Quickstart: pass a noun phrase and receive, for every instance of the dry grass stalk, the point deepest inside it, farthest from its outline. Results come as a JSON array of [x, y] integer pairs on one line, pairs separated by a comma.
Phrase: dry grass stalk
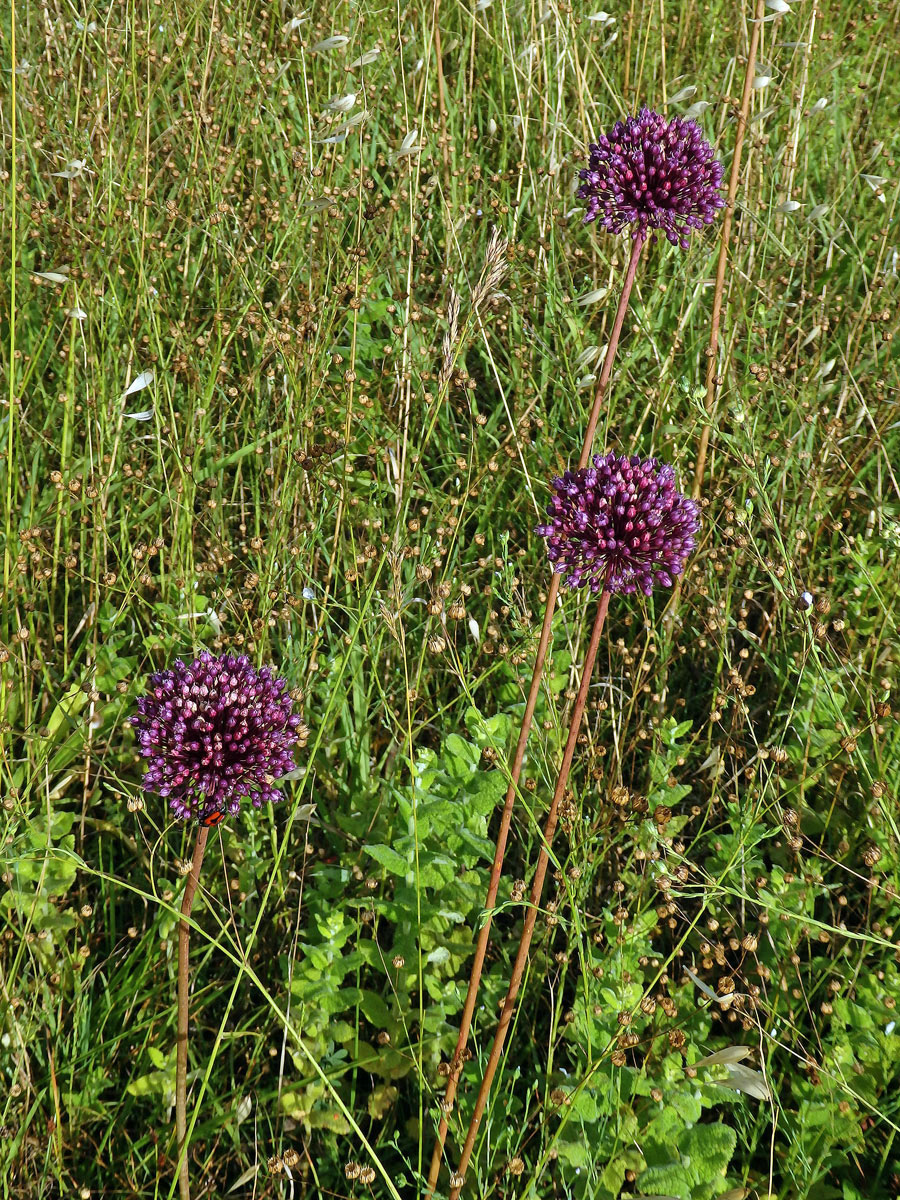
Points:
[[493, 270], [451, 336]]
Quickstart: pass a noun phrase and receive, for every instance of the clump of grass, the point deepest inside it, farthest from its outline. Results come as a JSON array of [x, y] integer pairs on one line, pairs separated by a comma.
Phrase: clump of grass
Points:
[[290, 296]]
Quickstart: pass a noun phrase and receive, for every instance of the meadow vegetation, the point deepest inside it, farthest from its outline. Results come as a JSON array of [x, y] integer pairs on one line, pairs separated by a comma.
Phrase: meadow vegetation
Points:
[[301, 318]]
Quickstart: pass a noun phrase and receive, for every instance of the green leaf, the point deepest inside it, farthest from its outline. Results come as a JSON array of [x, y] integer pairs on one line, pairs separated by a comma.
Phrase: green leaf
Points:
[[686, 1104], [672, 732], [706, 1150], [460, 757], [157, 1057], [436, 870], [613, 1175], [574, 1153], [670, 1179], [483, 847], [374, 1009], [389, 859], [381, 1100], [487, 731], [584, 1105], [487, 791], [663, 1131]]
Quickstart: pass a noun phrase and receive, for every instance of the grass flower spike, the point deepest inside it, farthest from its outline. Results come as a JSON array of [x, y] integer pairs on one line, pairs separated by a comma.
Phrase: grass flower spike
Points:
[[651, 172], [620, 525], [215, 732]]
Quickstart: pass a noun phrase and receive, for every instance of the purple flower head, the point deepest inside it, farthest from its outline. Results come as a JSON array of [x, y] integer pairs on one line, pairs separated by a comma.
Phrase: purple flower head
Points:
[[619, 525], [653, 173], [214, 732]]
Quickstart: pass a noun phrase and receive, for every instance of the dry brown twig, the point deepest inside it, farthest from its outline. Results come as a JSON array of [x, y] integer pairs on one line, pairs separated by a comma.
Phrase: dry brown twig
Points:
[[712, 349]]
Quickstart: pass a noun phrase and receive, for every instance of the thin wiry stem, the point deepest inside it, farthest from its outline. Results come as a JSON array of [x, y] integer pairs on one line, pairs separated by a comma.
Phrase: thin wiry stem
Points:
[[484, 935], [534, 900], [442, 90], [606, 369], [712, 350], [11, 426], [181, 1042]]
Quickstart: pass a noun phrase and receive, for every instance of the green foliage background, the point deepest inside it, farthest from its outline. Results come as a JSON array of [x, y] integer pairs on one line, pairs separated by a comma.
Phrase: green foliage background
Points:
[[299, 489]]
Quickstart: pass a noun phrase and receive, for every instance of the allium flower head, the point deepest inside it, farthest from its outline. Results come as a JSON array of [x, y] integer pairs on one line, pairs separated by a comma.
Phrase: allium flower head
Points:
[[653, 173], [214, 732], [619, 525]]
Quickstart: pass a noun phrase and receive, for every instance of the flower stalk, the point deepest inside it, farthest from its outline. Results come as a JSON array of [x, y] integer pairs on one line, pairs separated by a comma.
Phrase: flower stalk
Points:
[[214, 732], [181, 1042], [618, 525], [515, 770], [534, 900], [648, 173]]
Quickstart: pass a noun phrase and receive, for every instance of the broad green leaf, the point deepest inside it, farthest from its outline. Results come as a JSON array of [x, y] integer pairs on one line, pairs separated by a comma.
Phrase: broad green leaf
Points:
[[389, 859], [670, 1179], [706, 1150]]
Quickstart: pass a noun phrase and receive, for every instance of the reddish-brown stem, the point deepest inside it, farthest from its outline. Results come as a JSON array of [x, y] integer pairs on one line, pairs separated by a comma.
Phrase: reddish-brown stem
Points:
[[534, 899], [712, 349], [181, 1042], [615, 333], [484, 934]]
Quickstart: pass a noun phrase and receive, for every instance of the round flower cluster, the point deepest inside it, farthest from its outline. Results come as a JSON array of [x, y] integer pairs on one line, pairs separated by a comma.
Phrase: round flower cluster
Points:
[[214, 732], [619, 525], [653, 173]]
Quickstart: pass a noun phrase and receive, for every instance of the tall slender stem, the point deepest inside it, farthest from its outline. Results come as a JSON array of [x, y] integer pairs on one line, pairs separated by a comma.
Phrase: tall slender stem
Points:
[[181, 1041], [11, 426], [442, 91], [712, 349], [534, 900], [606, 370], [484, 935]]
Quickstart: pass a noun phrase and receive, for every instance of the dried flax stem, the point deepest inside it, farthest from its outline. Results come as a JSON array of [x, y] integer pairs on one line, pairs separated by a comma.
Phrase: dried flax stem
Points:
[[712, 350], [181, 1040], [534, 899], [442, 90], [484, 935]]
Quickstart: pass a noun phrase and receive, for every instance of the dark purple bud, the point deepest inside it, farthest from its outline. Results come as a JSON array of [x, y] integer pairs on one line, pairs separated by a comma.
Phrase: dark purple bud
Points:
[[619, 525], [215, 732], [651, 172]]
